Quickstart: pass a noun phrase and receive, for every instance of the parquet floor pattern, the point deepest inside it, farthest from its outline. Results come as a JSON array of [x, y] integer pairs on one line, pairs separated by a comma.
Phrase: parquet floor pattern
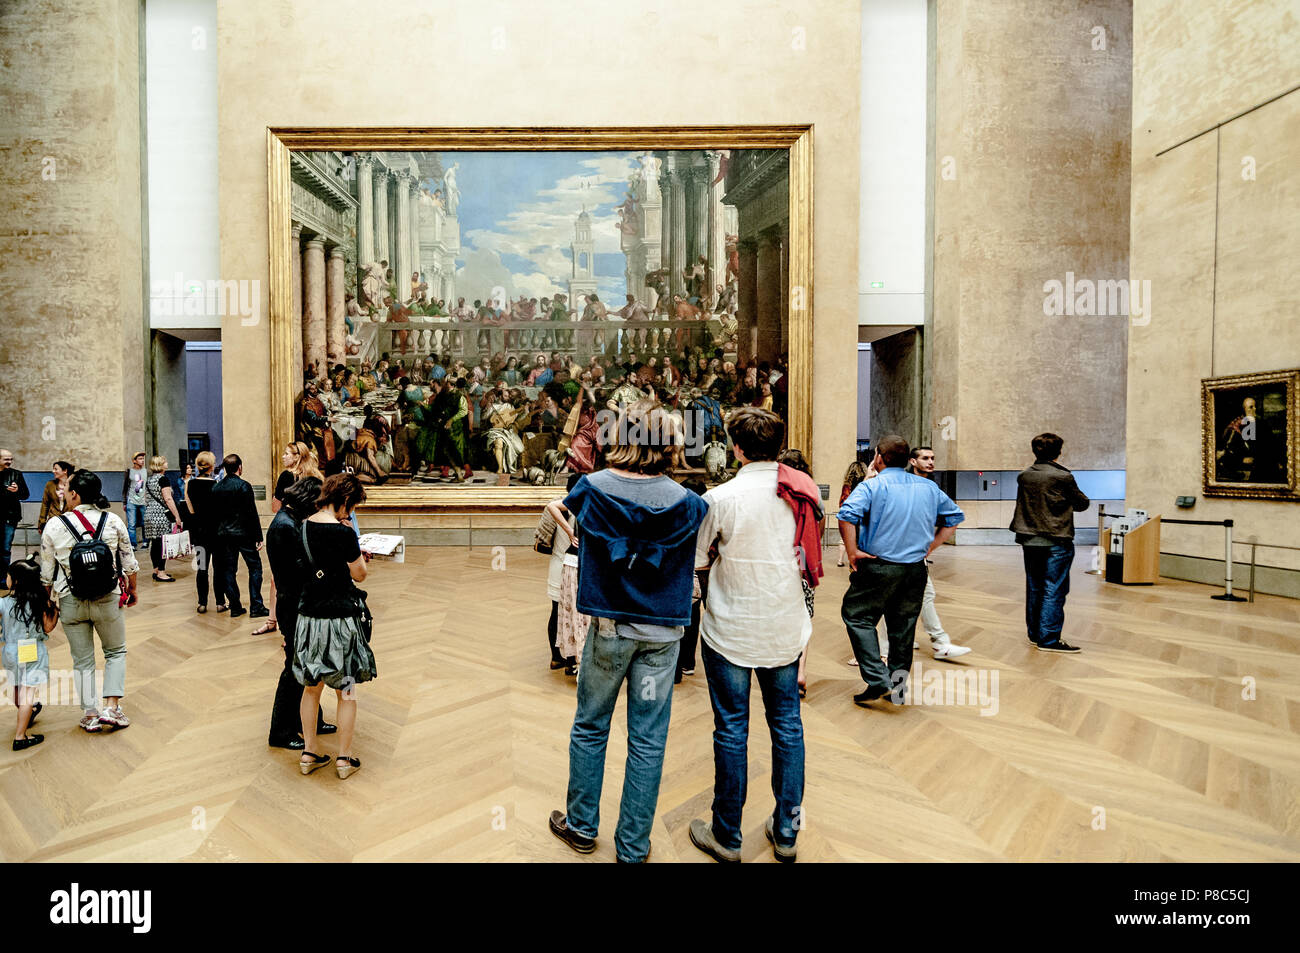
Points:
[[1142, 748]]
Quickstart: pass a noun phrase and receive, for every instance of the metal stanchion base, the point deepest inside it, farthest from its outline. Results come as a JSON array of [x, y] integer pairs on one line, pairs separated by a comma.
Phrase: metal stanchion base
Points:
[[1225, 597]]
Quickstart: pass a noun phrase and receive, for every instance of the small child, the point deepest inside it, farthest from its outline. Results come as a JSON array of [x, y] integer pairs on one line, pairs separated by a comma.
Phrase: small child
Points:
[[27, 615]]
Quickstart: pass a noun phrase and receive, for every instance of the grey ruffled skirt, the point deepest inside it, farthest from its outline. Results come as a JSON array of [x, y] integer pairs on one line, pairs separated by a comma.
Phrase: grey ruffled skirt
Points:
[[333, 651]]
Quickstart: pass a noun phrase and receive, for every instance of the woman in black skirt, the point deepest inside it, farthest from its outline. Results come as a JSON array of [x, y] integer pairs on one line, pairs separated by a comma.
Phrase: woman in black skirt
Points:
[[331, 644]]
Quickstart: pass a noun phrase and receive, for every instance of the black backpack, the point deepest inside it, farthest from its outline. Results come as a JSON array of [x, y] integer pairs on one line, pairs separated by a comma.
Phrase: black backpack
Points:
[[92, 569]]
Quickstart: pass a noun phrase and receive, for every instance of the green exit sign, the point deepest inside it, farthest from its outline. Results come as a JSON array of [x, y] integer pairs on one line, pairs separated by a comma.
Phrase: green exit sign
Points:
[[877, 284]]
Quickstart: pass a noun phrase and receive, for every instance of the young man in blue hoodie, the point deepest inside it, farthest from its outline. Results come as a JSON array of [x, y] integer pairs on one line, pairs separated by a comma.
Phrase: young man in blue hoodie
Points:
[[635, 528]]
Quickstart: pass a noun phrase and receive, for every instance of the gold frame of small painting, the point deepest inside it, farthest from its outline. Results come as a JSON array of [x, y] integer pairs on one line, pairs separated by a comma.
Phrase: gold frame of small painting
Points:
[[796, 139], [1278, 433]]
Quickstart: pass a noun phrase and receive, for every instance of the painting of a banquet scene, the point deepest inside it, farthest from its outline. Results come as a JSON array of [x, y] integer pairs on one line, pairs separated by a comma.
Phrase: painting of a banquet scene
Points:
[[471, 318]]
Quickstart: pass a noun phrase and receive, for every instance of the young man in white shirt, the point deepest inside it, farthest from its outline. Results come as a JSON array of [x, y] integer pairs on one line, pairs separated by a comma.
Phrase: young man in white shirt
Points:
[[753, 621]]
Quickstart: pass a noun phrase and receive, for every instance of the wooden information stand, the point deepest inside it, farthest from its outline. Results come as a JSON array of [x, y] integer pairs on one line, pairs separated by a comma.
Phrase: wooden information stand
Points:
[[1139, 564]]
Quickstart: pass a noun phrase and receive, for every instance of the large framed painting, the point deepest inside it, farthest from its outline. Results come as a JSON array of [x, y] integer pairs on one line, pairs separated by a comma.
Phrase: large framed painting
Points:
[[1249, 428], [455, 313]]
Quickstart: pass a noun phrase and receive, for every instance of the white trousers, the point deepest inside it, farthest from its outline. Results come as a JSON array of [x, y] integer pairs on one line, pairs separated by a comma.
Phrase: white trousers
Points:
[[930, 618]]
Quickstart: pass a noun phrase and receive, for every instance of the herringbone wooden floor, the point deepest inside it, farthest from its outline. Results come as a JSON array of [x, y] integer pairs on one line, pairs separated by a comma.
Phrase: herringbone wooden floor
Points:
[[1142, 748]]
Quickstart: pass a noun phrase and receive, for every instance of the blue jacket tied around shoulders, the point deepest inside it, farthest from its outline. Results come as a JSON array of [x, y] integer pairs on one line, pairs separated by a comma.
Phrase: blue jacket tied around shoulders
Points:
[[635, 562]]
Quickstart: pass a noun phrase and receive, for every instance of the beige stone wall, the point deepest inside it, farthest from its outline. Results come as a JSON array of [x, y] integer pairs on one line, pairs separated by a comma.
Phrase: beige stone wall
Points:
[[72, 339], [1031, 153], [1219, 249], [583, 63]]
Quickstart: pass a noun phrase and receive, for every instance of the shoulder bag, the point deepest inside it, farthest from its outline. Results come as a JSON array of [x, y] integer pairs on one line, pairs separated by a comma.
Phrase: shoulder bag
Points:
[[357, 597]]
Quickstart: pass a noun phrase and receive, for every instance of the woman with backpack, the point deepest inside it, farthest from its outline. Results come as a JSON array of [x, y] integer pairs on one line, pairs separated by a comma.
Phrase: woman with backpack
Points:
[[85, 554]]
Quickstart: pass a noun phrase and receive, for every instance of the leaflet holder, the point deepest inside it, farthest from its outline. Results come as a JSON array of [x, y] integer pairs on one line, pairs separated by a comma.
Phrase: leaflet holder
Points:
[[1135, 560]]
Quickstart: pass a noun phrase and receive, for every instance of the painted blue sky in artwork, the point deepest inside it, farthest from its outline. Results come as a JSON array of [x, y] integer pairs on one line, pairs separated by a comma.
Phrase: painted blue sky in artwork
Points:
[[517, 214]]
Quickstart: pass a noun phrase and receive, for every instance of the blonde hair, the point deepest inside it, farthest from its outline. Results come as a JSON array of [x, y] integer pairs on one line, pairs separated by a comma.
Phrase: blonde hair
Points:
[[157, 464], [646, 439], [205, 462], [307, 464]]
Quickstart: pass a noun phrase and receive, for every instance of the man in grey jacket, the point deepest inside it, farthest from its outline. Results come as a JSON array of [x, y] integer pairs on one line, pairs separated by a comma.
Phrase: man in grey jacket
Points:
[[1046, 500]]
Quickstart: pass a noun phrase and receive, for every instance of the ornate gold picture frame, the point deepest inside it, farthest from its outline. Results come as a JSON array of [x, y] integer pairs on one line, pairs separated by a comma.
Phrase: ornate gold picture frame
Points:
[[1249, 432], [286, 336]]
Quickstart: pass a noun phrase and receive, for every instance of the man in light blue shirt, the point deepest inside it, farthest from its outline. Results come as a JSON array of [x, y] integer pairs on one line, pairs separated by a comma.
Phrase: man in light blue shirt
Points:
[[888, 528]]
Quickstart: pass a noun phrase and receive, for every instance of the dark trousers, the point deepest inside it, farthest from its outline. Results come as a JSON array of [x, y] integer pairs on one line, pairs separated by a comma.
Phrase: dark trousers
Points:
[[552, 631], [690, 639], [894, 590], [286, 723], [1047, 583], [155, 554], [230, 551], [206, 568]]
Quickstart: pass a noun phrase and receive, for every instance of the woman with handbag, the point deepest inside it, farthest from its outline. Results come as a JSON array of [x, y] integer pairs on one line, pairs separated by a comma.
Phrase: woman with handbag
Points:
[[198, 501], [332, 635], [160, 516]]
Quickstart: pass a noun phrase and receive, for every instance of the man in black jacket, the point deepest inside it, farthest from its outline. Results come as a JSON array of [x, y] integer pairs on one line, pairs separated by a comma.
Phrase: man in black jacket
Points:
[[1046, 500], [237, 531], [288, 567], [13, 490]]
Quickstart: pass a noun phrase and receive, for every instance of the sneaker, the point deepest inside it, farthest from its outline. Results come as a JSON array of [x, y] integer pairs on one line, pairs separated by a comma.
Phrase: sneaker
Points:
[[90, 721], [950, 651], [114, 717], [784, 855], [1060, 645], [688, 671], [579, 842], [702, 837], [259, 613]]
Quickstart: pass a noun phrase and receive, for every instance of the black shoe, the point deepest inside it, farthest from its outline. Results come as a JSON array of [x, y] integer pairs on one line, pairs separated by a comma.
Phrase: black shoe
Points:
[[327, 729], [560, 828], [870, 695], [259, 613], [236, 612], [558, 663], [293, 744], [36, 710], [1060, 645], [21, 744], [1032, 640]]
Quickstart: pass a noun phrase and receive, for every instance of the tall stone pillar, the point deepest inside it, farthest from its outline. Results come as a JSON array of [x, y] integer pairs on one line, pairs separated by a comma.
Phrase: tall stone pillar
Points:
[[313, 304], [747, 307], [365, 210], [401, 260], [381, 216], [768, 291], [413, 201], [678, 253], [335, 306], [295, 316]]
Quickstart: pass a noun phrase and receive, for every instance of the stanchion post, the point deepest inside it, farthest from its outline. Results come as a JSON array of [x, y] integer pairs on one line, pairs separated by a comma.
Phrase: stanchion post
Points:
[[1227, 563], [1101, 557], [1252, 570]]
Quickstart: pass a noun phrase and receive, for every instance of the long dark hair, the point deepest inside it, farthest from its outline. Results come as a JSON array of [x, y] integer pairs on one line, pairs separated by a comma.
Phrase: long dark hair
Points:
[[31, 601], [86, 485]]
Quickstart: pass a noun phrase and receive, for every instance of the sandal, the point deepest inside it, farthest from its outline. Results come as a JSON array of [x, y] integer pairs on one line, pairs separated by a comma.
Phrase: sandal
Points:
[[158, 578], [266, 628], [222, 607], [202, 609], [317, 761], [349, 767]]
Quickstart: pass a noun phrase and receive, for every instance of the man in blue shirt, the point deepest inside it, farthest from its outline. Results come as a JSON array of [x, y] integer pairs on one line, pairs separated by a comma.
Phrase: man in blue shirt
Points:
[[888, 528]]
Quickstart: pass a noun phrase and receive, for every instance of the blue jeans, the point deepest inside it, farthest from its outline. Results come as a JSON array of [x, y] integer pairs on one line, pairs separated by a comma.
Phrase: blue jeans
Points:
[[7, 553], [1047, 582], [134, 518], [648, 669], [729, 693]]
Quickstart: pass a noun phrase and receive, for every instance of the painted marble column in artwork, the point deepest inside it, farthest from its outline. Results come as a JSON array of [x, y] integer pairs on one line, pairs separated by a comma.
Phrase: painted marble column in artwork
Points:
[[747, 309], [677, 284], [401, 260], [313, 304], [295, 281], [365, 210], [413, 203], [768, 316], [335, 307], [381, 215]]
